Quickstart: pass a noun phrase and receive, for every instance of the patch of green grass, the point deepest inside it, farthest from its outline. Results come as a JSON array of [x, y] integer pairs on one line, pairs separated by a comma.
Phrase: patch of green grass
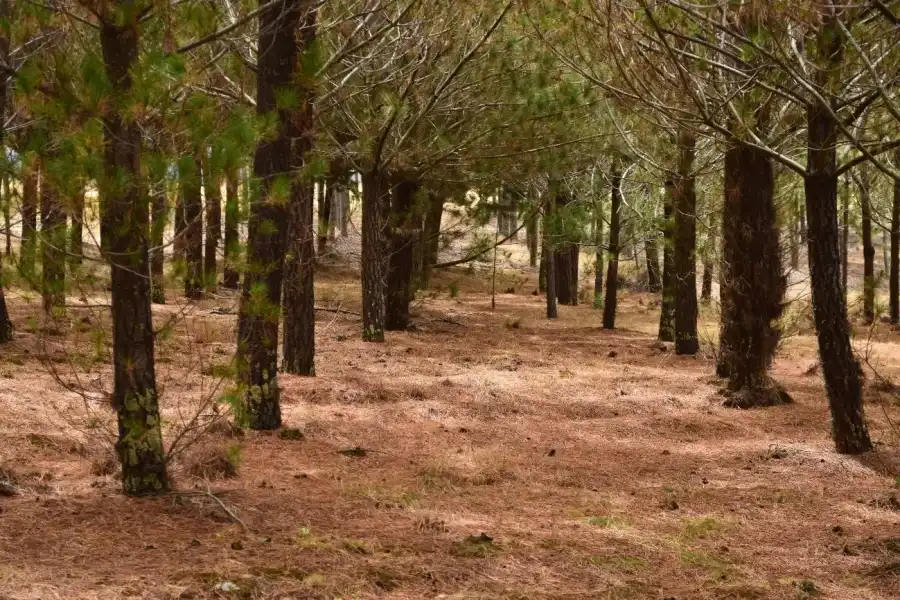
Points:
[[608, 522], [714, 567], [702, 528], [623, 562], [392, 498], [475, 546], [356, 546], [315, 580], [306, 539]]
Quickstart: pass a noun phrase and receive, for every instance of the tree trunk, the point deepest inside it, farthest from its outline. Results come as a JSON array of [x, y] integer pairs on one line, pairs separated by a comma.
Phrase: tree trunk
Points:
[[794, 233], [231, 277], [299, 293], [845, 241], [139, 446], [709, 261], [431, 235], [651, 249], [547, 258], [324, 220], [159, 209], [685, 248], [53, 248], [566, 258], [542, 268], [7, 216], [189, 174], [375, 197], [213, 192], [667, 308], [272, 164], [6, 328], [839, 365], [345, 211], [532, 238], [612, 275], [598, 255], [76, 231], [178, 227], [753, 292], [895, 252], [402, 241], [28, 250], [865, 202]]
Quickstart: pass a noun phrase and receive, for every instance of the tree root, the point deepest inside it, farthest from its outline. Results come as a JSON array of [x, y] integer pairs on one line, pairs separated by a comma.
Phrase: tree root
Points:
[[749, 397]]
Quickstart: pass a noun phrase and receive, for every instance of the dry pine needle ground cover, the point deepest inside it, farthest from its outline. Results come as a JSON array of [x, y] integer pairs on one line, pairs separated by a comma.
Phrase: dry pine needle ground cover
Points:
[[483, 455]]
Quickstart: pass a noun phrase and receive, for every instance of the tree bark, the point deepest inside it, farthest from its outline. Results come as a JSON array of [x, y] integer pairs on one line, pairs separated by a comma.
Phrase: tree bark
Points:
[[709, 261], [402, 240], [28, 250], [272, 164], [324, 220], [53, 248], [612, 275], [895, 252], [598, 254], [865, 202], [231, 277], [565, 257], [845, 241], [178, 227], [7, 208], [189, 174], [375, 197], [685, 247], [139, 446], [651, 249], [667, 308], [298, 346], [6, 328], [795, 236], [547, 258], [212, 185], [753, 292], [839, 365], [532, 238], [159, 209], [76, 231]]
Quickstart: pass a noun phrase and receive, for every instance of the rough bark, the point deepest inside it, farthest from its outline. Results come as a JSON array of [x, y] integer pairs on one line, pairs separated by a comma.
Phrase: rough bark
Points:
[[547, 255], [709, 261], [261, 291], [753, 292], [190, 179], [324, 218], [795, 237], [139, 445], [298, 347], [651, 249], [6, 329], [565, 256], [53, 248], [375, 197], [685, 248], [231, 277], [402, 240], [865, 203], [839, 366], [7, 216], [667, 306], [159, 209], [598, 255], [431, 235], [212, 186], [895, 252], [28, 250], [532, 238], [845, 240], [612, 274]]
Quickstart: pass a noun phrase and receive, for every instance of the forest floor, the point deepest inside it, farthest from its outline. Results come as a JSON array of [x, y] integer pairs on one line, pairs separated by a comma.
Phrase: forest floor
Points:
[[486, 454]]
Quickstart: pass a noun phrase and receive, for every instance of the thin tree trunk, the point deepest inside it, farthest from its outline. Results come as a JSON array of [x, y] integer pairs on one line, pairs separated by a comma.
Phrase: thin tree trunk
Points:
[[885, 256], [566, 259], [612, 275], [845, 241], [7, 217], [547, 258], [262, 286], [794, 233], [76, 231], [402, 240], [753, 292], [231, 277], [651, 249], [895, 252], [213, 192], [598, 254], [298, 346], [709, 261], [375, 196], [431, 235], [532, 237], [839, 365], [865, 202], [159, 209], [542, 267], [28, 251], [189, 174], [345, 211], [685, 248], [178, 227], [139, 446], [6, 328], [324, 220], [667, 308], [53, 248]]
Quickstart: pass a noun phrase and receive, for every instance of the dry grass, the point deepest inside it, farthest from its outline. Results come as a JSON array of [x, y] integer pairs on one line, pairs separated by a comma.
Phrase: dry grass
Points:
[[500, 463]]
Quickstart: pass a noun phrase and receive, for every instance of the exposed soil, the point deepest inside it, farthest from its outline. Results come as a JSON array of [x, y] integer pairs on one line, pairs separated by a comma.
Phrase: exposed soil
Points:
[[483, 455]]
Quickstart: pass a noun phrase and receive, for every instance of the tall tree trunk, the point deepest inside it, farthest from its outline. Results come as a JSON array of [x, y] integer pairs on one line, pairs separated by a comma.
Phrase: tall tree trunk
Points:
[[651, 249], [76, 231], [865, 202], [375, 197], [231, 277], [272, 164], [212, 183], [178, 226], [159, 208], [542, 267], [845, 241], [753, 292], [895, 252], [709, 260], [612, 275], [532, 238], [402, 240], [139, 446], [324, 221], [667, 307], [345, 211], [189, 174], [6, 329], [599, 251], [7, 208], [431, 235], [299, 293], [28, 250], [803, 230], [839, 365], [547, 258], [566, 257], [794, 233], [685, 248], [53, 247], [885, 256]]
